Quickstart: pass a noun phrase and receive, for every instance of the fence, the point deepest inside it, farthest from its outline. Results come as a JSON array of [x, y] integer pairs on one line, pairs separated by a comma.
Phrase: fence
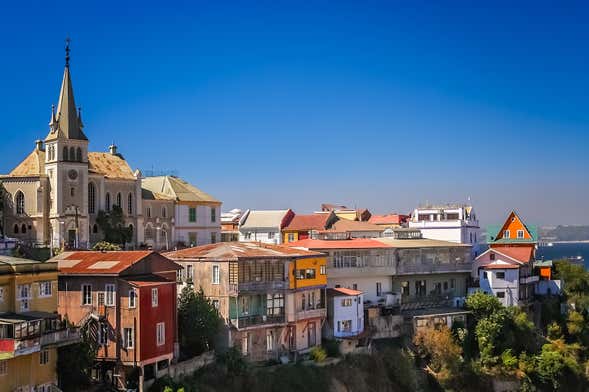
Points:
[[182, 369]]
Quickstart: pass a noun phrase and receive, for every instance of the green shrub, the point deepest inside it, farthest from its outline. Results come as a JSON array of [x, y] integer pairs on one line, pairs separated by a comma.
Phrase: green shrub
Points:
[[331, 347], [318, 354]]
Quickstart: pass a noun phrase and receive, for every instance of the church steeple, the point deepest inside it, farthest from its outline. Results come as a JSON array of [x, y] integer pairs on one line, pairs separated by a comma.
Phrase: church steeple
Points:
[[67, 123]]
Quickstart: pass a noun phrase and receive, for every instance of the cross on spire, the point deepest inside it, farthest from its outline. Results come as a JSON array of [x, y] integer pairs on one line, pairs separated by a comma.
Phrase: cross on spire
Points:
[[67, 52]]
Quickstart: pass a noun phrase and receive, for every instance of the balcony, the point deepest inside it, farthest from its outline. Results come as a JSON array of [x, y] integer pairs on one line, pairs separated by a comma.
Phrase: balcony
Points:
[[60, 338], [529, 279], [256, 320], [305, 314], [432, 268], [10, 348], [261, 286]]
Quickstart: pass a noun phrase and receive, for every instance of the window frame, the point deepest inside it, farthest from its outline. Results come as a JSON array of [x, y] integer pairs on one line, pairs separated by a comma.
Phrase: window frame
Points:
[[43, 289], [192, 215], [84, 294], [128, 341], [111, 293], [43, 357], [216, 278], [518, 236], [506, 234], [160, 332], [132, 295], [154, 298]]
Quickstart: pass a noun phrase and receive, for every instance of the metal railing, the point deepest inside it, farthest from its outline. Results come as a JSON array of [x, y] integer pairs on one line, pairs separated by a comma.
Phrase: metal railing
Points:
[[61, 337], [249, 321]]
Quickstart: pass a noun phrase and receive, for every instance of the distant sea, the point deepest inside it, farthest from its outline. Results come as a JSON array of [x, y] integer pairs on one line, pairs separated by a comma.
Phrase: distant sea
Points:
[[564, 250]]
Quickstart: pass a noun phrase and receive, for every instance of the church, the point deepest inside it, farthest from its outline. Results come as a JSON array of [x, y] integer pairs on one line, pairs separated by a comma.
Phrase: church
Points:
[[53, 197]]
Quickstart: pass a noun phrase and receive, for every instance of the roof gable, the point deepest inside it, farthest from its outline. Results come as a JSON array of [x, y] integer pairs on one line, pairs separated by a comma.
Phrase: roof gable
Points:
[[176, 188], [109, 165], [508, 232], [32, 165], [113, 263]]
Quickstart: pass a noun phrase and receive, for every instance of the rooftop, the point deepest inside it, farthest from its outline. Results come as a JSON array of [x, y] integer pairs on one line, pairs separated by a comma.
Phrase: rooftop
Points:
[[420, 243], [388, 219], [309, 222], [343, 291], [263, 218], [234, 251], [98, 263], [109, 165], [523, 254], [345, 225], [176, 188], [356, 243]]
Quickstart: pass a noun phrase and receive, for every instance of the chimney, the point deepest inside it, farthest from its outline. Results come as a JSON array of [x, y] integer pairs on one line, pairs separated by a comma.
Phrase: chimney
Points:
[[39, 145], [112, 149]]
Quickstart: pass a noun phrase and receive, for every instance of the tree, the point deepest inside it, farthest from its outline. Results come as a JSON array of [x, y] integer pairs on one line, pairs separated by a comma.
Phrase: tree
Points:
[[74, 362], [105, 246], [439, 348], [482, 305], [199, 322], [112, 225]]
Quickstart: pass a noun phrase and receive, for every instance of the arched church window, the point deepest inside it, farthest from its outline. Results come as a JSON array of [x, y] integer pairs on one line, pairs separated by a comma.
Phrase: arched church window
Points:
[[91, 198], [79, 154], [119, 201], [107, 201], [20, 202], [95, 228], [65, 154], [23, 228], [72, 154], [131, 230], [130, 204], [15, 229], [148, 233]]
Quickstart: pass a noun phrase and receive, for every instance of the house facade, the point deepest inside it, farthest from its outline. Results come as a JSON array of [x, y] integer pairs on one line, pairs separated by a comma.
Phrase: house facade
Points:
[[230, 225], [264, 225], [30, 328], [345, 313], [127, 300], [453, 222], [271, 298], [301, 226]]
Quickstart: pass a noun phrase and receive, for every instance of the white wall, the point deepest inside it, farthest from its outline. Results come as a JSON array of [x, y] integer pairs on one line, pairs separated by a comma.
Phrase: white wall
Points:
[[203, 225], [509, 286], [365, 284], [262, 236], [354, 313]]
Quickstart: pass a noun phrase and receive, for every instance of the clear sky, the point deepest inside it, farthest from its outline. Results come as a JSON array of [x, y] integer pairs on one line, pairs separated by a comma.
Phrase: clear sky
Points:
[[272, 104]]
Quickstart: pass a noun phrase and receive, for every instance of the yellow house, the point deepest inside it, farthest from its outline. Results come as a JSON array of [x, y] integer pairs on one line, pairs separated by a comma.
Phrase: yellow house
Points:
[[30, 328]]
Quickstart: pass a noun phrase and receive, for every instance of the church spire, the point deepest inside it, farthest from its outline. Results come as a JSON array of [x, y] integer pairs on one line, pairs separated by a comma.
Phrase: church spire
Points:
[[68, 123]]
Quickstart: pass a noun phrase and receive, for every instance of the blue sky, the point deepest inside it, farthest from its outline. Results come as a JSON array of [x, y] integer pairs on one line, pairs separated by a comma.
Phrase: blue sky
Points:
[[383, 105]]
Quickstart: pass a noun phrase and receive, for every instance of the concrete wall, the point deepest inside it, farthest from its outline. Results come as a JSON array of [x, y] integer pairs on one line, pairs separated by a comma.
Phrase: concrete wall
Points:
[[355, 313], [365, 284]]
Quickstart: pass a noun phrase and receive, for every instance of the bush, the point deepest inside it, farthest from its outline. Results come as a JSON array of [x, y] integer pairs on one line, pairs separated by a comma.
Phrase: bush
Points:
[[105, 246], [318, 354], [331, 347]]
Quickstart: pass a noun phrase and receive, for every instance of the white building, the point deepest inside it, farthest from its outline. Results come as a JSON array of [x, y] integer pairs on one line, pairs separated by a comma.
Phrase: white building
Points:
[[452, 222], [264, 225], [196, 213], [345, 312]]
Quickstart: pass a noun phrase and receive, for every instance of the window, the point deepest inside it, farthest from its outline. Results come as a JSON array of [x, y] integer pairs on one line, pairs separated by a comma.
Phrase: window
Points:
[[271, 235], [520, 234], [452, 283], [347, 302], [506, 234], [492, 256], [130, 204], [445, 286], [119, 200], [323, 270], [3, 367], [269, 340], [189, 273], [79, 154], [248, 235], [23, 228], [216, 304], [128, 338], [378, 289], [154, 298], [485, 276], [501, 275], [405, 288], [274, 304], [148, 212], [213, 238], [109, 293], [95, 229], [291, 237], [193, 238], [1, 295], [344, 326], [43, 357], [107, 201], [192, 214], [500, 294], [102, 336], [245, 344], [65, 154], [132, 298], [45, 289], [19, 201], [164, 212], [148, 233], [216, 277], [86, 294], [15, 229], [160, 333], [213, 214], [72, 154], [23, 291]]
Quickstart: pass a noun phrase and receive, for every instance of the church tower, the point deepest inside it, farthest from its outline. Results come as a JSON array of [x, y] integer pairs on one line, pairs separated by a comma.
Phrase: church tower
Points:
[[66, 165]]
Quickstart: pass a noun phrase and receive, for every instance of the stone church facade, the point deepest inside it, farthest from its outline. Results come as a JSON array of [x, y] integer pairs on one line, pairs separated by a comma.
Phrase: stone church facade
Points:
[[54, 195]]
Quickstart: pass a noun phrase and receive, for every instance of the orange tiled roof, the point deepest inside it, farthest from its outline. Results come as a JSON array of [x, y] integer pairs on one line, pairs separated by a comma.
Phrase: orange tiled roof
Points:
[[109, 165], [233, 251], [356, 243], [501, 266], [524, 254], [32, 165], [388, 219], [308, 222]]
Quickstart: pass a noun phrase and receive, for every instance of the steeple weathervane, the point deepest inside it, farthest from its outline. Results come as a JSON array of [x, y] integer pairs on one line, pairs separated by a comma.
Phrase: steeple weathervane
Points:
[[67, 52]]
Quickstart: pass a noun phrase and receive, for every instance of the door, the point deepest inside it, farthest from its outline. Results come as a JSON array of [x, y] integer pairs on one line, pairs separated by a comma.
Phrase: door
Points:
[[312, 334], [71, 238]]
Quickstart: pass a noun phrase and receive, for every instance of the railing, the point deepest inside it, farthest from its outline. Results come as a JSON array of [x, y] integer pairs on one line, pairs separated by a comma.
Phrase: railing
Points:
[[61, 338], [529, 279], [426, 302], [249, 321], [311, 313], [262, 286], [346, 334], [15, 347], [433, 268]]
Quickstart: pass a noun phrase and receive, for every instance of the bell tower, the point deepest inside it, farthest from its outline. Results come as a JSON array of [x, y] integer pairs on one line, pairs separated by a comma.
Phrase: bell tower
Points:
[[66, 165]]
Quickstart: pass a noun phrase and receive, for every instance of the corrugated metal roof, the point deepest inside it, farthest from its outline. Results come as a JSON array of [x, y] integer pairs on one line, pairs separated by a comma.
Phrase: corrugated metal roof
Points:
[[233, 251], [343, 291], [308, 222], [95, 262], [264, 219]]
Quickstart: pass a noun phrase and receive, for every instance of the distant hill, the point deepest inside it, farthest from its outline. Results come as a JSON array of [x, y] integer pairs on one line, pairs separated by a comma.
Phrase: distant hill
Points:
[[565, 233]]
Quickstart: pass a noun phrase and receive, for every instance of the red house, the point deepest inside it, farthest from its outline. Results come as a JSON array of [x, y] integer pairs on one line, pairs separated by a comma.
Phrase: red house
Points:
[[127, 300]]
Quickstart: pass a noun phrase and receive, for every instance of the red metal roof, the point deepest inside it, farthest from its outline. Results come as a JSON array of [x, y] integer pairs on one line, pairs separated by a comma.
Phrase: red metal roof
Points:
[[346, 291], [232, 251], [501, 266], [148, 280], [525, 254], [388, 219], [356, 243], [308, 222], [98, 263]]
